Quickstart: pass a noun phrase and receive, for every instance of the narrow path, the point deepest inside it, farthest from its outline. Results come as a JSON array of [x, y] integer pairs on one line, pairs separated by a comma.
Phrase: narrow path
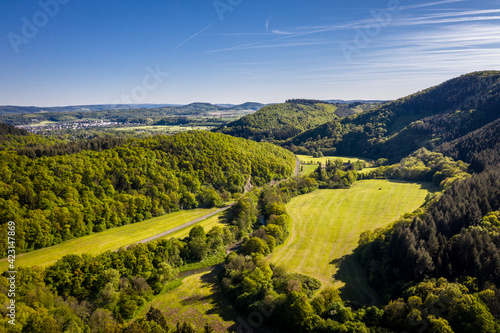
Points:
[[185, 225], [297, 167]]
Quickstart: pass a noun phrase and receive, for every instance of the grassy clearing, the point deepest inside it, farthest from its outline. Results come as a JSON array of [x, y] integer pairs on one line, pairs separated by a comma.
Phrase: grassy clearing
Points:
[[312, 162], [160, 128], [44, 123], [216, 220], [345, 159], [198, 300], [327, 223], [308, 169], [115, 238]]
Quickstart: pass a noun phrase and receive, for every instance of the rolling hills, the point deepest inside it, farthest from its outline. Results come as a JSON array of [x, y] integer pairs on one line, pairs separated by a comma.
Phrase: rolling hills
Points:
[[287, 247], [425, 119], [57, 198], [11, 109], [281, 121], [392, 130]]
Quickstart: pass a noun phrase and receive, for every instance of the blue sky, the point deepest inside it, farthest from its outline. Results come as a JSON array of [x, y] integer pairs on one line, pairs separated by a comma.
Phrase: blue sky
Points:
[[233, 51]]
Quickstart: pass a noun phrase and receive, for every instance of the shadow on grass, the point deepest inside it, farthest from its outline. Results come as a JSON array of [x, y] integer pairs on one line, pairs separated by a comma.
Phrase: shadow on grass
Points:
[[356, 288], [429, 186], [220, 305]]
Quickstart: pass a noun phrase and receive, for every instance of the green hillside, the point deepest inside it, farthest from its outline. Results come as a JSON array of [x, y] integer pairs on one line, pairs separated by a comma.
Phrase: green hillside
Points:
[[282, 121], [425, 119], [56, 198]]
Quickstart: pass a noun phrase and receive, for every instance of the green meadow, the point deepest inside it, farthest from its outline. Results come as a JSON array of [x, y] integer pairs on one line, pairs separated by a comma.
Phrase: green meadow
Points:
[[327, 223], [309, 163], [163, 128], [198, 300], [315, 160], [115, 238]]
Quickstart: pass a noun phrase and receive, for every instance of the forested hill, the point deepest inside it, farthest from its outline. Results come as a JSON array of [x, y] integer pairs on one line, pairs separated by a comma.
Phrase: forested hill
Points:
[[55, 198], [425, 119], [282, 121], [11, 130], [479, 148]]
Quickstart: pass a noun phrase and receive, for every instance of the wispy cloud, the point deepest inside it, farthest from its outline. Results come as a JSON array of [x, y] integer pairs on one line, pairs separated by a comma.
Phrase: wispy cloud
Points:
[[268, 21], [430, 4], [277, 45], [445, 50], [282, 32], [196, 34], [440, 18], [448, 17]]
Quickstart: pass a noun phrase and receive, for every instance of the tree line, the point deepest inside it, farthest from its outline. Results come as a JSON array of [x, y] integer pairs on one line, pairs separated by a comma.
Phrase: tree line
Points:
[[424, 165]]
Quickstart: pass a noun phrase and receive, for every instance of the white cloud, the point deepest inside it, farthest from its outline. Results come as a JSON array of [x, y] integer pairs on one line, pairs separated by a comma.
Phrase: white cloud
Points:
[[281, 32]]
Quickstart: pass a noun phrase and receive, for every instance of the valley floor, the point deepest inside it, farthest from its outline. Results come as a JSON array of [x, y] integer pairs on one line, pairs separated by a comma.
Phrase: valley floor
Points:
[[112, 239], [327, 225]]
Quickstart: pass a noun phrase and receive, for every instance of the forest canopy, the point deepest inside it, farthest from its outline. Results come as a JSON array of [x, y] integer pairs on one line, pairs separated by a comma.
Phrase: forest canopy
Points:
[[55, 198]]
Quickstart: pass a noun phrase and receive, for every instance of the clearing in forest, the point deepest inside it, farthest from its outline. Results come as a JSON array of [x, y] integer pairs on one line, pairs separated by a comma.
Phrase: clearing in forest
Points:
[[327, 223]]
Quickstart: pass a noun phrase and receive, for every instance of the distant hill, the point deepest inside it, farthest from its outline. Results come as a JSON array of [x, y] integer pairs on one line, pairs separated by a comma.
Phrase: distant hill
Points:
[[425, 119], [207, 107], [248, 106], [10, 109], [282, 121], [286, 120], [361, 101], [150, 115]]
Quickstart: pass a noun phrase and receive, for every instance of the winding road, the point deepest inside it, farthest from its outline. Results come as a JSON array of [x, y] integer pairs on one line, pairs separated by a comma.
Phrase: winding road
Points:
[[185, 225]]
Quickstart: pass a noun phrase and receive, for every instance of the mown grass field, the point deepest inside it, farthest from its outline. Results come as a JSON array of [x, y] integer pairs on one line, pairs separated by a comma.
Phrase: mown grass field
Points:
[[198, 300], [216, 220], [44, 123], [115, 238], [313, 162], [327, 223], [307, 169]]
